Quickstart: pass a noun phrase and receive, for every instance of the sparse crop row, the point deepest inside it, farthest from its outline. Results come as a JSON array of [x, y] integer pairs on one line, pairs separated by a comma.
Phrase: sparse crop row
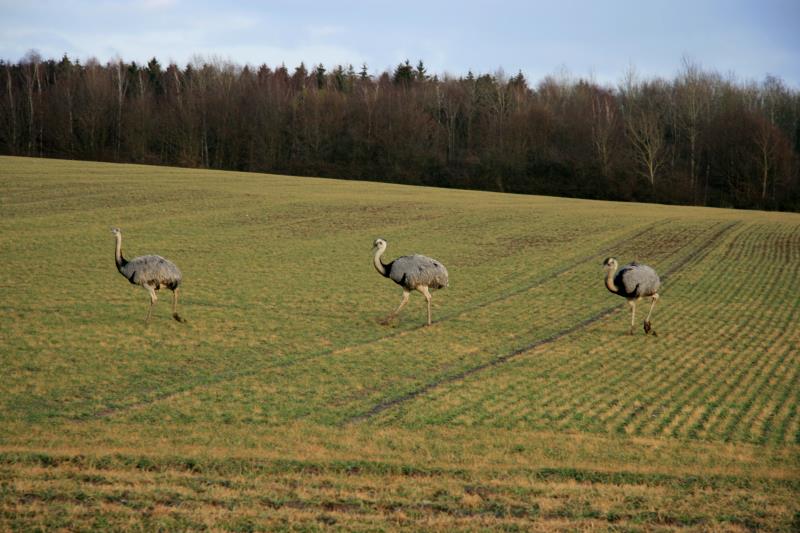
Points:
[[724, 367], [363, 373], [559, 289], [739, 364], [241, 419]]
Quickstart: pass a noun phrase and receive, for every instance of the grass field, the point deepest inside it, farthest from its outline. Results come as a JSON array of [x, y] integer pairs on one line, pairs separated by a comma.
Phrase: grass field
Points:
[[282, 404]]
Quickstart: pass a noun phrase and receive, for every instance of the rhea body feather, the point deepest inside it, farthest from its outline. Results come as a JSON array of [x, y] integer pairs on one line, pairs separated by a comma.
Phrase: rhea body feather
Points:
[[152, 270], [412, 271], [636, 281]]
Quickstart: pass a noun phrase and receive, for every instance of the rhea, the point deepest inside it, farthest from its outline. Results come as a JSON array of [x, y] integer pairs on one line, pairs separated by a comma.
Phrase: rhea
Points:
[[634, 282], [151, 272], [413, 273]]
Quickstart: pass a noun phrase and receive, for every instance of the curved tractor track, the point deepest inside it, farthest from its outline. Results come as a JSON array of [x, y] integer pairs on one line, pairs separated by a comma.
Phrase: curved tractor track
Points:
[[237, 374], [694, 256]]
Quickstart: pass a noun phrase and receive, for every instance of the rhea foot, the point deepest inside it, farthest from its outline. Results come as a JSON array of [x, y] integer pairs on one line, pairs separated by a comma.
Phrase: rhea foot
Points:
[[179, 318], [648, 328]]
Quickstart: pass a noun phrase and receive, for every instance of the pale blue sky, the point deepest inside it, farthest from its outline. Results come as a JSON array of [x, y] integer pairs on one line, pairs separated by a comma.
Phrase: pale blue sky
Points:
[[586, 38]]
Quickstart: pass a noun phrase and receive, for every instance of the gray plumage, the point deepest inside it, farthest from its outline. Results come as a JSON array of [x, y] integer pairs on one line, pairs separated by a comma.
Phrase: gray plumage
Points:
[[151, 272], [413, 273], [633, 282]]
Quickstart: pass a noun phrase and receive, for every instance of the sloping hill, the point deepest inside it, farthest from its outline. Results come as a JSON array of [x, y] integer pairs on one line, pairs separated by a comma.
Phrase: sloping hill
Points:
[[284, 404]]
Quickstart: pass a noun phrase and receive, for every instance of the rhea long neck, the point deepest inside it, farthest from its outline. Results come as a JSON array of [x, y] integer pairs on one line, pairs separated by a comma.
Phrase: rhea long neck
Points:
[[118, 259], [376, 260], [610, 280]]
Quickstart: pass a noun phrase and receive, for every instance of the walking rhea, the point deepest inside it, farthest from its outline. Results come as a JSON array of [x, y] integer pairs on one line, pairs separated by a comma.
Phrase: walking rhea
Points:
[[152, 272], [412, 272], [634, 282]]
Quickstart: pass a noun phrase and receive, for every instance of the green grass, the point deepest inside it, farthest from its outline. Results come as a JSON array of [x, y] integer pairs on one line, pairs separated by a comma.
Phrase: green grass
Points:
[[284, 405]]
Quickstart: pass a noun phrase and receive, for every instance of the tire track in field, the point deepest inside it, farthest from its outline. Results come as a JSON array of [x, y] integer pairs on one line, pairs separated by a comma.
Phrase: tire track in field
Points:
[[233, 375], [570, 403], [581, 403], [543, 278], [627, 415], [661, 397], [694, 256], [566, 398]]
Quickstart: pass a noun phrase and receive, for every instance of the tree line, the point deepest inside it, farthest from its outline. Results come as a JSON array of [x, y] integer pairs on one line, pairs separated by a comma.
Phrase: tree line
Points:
[[700, 138]]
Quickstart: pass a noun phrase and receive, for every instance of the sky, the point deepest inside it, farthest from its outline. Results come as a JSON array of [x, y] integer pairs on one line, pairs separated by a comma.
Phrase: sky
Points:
[[599, 39]]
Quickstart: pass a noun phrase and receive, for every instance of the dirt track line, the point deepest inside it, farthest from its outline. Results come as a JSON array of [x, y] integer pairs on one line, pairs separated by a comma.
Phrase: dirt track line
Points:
[[696, 255], [554, 274], [230, 376]]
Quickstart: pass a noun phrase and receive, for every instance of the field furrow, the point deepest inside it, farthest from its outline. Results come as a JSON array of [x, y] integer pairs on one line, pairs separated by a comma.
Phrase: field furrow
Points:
[[542, 342], [680, 393], [471, 306], [282, 404]]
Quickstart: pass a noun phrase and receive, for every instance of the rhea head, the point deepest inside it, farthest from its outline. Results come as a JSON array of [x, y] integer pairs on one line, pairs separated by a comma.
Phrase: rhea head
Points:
[[116, 232], [379, 244], [610, 263]]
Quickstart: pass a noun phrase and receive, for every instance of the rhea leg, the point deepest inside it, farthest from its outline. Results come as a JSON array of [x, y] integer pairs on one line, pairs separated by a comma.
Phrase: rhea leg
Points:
[[175, 314], [632, 303], [406, 294], [153, 300], [426, 293], [647, 327]]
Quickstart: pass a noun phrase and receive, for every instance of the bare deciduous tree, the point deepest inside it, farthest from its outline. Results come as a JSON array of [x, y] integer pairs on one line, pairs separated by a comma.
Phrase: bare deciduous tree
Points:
[[30, 71], [11, 114], [122, 86], [644, 124], [605, 121]]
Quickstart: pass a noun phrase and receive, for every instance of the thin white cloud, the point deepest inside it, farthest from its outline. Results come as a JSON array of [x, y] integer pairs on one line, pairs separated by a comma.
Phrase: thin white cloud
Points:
[[324, 31], [157, 4]]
